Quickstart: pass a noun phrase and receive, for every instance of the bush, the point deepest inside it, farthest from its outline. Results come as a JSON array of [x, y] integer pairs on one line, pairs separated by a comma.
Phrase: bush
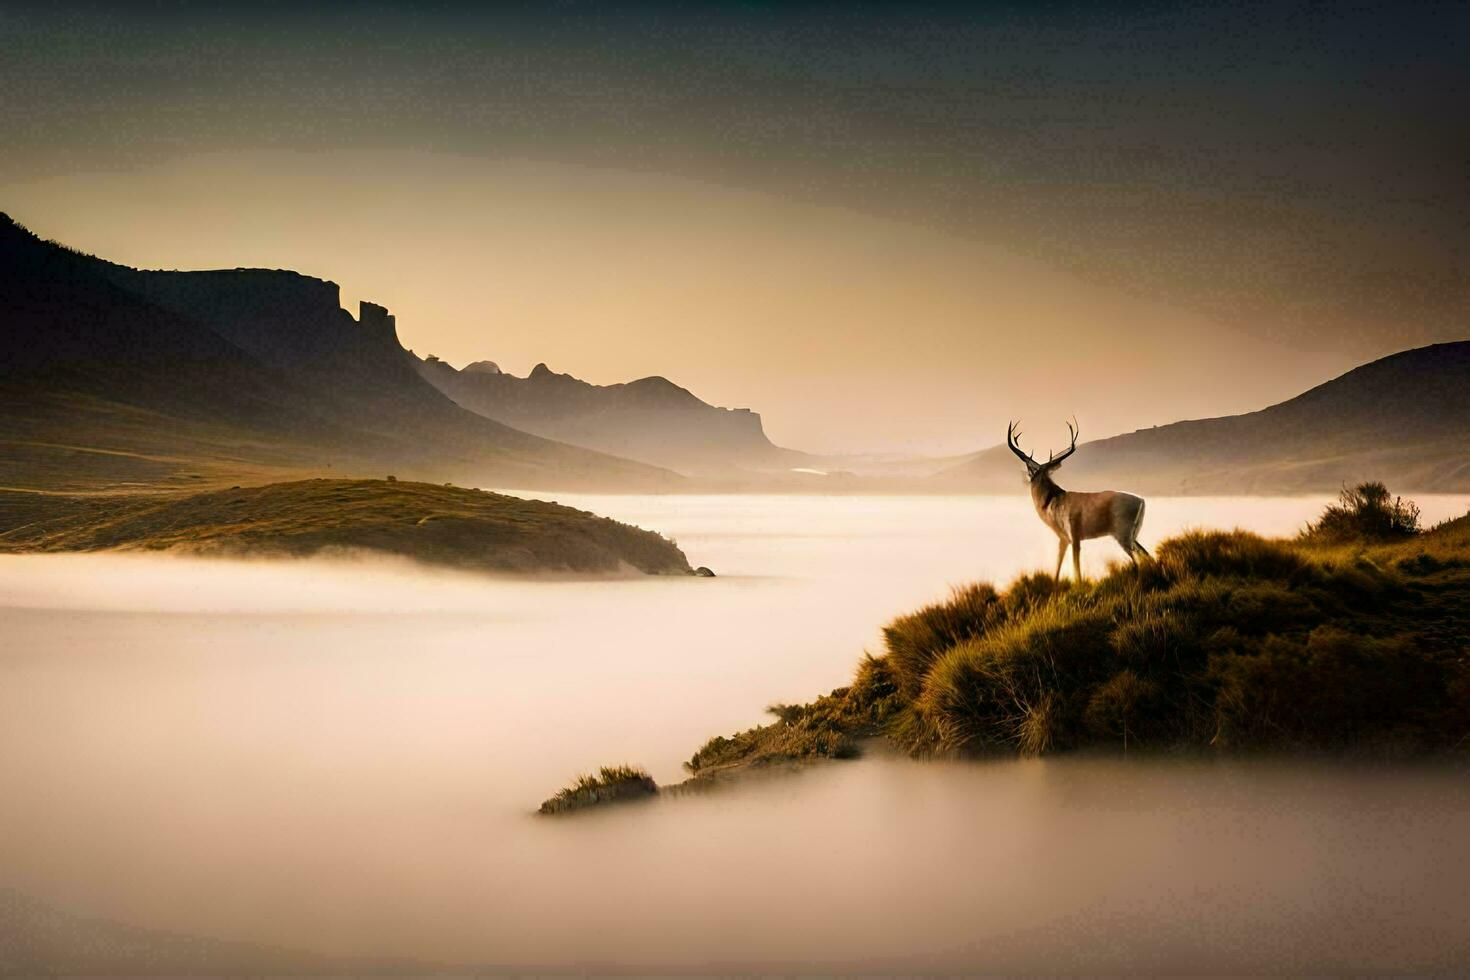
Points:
[[916, 640], [1228, 553], [1012, 687], [1365, 512]]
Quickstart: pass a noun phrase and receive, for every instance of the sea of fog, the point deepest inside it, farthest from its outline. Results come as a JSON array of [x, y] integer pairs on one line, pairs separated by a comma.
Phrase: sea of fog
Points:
[[342, 759]]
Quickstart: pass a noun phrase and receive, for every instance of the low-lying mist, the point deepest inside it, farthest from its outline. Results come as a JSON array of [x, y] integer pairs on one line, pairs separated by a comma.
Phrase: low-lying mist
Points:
[[342, 757]]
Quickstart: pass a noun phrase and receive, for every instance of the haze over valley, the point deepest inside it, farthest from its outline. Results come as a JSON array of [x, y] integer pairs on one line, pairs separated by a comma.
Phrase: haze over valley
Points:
[[120, 376]]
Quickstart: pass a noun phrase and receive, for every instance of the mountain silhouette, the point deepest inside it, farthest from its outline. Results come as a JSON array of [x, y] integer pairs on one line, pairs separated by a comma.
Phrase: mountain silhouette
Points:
[[121, 375], [651, 419], [1404, 418]]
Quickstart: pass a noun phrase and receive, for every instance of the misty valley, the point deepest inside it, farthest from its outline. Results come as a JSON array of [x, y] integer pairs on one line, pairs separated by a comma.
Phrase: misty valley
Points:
[[334, 763]]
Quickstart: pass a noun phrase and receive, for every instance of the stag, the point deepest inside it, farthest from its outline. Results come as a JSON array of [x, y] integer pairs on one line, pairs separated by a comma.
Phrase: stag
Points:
[[1074, 516]]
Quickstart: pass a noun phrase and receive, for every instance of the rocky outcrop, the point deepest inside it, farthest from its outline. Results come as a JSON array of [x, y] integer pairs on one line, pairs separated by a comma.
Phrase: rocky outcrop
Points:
[[377, 322]]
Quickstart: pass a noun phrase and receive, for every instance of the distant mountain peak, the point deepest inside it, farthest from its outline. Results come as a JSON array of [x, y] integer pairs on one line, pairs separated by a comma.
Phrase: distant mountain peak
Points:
[[650, 419], [656, 381], [1400, 418]]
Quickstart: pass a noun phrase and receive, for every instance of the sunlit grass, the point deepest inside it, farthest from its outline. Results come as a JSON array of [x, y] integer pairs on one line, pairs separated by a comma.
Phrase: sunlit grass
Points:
[[441, 525], [610, 784], [1227, 641]]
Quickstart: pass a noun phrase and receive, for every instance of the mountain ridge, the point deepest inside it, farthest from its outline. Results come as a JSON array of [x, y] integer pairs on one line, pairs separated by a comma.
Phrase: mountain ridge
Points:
[[246, 367], [651, 419], [1401, 418]]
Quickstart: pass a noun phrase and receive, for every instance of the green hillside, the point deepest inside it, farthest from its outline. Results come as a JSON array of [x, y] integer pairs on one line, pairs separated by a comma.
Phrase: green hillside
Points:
[[439, 525]]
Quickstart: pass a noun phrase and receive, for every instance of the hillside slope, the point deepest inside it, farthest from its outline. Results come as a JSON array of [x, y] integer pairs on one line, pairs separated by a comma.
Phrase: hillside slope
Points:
[[1402, 419], [111, 375], [651, 419], [449, 526]]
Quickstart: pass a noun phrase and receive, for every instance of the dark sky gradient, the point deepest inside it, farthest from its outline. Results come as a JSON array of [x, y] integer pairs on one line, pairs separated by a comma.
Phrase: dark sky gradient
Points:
[[1306, 163], [1297, 171]]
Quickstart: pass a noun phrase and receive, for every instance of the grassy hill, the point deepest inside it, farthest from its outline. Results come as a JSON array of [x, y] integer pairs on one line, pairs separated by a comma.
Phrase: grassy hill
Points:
[[1402, 417], [1354, 637], [440, 525]]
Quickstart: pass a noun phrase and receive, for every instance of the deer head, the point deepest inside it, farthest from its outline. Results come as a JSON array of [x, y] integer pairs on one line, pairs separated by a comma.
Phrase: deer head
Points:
[[1035, 470]]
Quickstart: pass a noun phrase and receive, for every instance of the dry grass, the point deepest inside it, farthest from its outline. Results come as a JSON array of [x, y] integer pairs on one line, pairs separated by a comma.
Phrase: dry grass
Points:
[[828, 727], [611, 784]]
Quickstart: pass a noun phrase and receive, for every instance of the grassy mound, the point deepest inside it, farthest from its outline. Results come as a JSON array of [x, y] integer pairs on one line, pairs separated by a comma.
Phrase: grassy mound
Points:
[[441, 525], [1229, 641], [612, 784]]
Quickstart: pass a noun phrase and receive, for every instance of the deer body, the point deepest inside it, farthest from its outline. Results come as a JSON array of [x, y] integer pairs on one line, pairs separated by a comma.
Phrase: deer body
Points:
[[1075, 516]]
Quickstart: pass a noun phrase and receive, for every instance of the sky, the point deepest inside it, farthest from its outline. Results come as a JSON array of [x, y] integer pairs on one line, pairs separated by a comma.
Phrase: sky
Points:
[[884, 227]]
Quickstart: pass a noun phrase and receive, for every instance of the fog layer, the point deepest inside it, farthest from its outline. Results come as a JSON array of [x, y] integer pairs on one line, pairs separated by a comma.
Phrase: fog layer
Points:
[[343, 759]]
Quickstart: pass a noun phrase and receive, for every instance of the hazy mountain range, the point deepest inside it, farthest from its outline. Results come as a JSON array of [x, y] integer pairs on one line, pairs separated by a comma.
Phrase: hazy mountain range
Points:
[[114, 377], [1404, 418], [652, 419]]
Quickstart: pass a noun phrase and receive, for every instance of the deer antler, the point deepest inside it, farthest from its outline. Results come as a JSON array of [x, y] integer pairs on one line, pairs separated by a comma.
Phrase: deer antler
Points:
[[1012, 435], [1075, 430]]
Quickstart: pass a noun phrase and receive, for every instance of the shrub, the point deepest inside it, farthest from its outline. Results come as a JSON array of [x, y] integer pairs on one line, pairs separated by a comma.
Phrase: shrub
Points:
[[1365, 513], [1228, 553], [915, 641], [1331, 689], [1011, 687], [1153, 638], [1123, 707]]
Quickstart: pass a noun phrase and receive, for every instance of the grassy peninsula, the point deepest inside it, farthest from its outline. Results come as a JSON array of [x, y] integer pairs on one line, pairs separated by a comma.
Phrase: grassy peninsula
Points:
[[1353, 637], [439, 525]]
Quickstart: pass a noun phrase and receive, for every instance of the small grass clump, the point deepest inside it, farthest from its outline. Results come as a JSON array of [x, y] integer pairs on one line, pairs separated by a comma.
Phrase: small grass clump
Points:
[[611, 784], [828, 728]]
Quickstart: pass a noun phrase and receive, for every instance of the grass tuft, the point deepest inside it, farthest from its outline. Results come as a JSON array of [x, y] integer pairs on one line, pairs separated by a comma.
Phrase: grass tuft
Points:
[[611, 784]]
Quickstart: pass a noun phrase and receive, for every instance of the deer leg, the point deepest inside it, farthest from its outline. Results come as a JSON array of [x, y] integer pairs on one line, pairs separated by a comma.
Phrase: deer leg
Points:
[[1077, 559], [1126, 542], [1061, 554]]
